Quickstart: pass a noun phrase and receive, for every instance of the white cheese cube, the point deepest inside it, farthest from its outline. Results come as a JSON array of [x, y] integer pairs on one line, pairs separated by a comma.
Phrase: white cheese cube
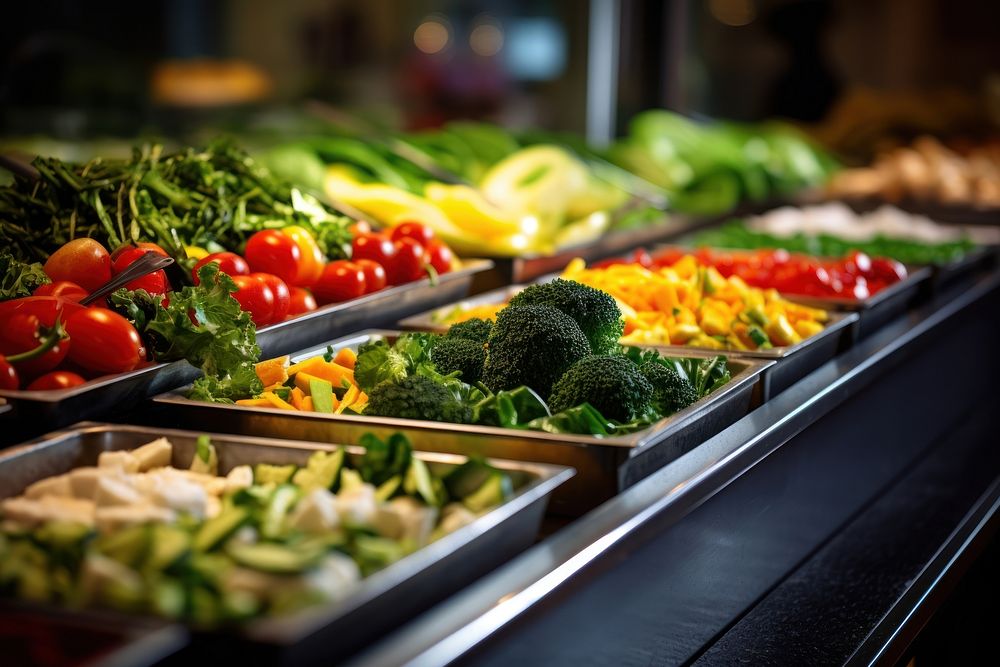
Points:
[[110, 519], [155, 454], [115, 491], [50, 486], [124, 461], [240, 477], [336, 576], [83, 482], [405, 519], [357, 505], [315, 513]]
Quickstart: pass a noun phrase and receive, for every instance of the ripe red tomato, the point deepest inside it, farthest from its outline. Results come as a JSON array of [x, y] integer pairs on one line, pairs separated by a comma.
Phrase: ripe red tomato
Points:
[[302, 301], [82, 261], [376, 247], [359, 227], [56, 380], [255, 297], [439, 256], [152, 247], [103, 341], [422, 234], [270, 251], [154, 283], [408, 264], [8, 376], [341, 280], [64, 289], [375, 278], [20, 333], [229, 263], [282, 297]]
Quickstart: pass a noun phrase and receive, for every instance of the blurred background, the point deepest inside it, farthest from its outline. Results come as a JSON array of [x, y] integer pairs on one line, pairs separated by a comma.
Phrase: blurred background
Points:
[[858, 73]]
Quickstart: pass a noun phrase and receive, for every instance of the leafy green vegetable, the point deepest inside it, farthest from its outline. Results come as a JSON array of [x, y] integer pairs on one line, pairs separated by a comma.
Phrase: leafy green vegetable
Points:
[[378, 361], [510, 409], [19, 279], [384, 459], [705, 374]]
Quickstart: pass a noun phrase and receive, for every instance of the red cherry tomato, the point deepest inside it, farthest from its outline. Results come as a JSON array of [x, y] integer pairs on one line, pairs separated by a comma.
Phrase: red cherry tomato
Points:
[[154, 283], [341, 280], [56, 380], [229, 263], [409, 263], [282, 297], [255, 297], [422, 234], [21, 333], [152, 247], [46, 308], [8, 376], [302, 301], [64, 289], [376, 247], [270, 251], [103, 341], [82, 261], [439, 256], [375, 278]]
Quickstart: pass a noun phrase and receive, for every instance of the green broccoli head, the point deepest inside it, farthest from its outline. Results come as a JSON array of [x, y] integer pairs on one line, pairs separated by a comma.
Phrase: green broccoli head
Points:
[[612, 384], [475, 329], [596, 312], [671, 392], [532, 346], [459, 354], [416, 397]]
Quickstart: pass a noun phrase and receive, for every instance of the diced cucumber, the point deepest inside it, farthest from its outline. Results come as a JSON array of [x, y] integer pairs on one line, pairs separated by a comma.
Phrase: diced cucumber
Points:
[[388, 489], [350, 479], [167, 597], [375, 553], [274, 516], [418, 480], [218, 529], [211, 568], [494, 492], [757, 336], [322, 395], [206, 459], [127, 546], [275, 558], [168, 544], [62, 534], [322, 471], [265, 473]]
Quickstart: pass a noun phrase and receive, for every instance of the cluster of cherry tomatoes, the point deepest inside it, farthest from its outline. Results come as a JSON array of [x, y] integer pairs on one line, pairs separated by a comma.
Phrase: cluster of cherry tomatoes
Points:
[[856, 276], [282, 272]]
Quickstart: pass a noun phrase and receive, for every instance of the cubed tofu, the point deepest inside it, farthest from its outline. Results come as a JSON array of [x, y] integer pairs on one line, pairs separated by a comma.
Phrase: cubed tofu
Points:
[[124, 461], [315, 513], [28, 512], [357, 505], [240, 477], [180, 494], [212, 507], [50, 486], [83, 482], [110, 519], [155, 454], [336, 576], [405, 518], [113, 491]]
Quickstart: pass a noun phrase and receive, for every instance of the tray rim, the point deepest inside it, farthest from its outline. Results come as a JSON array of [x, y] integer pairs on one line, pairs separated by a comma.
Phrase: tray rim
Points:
[[546, 477], [750, 373]]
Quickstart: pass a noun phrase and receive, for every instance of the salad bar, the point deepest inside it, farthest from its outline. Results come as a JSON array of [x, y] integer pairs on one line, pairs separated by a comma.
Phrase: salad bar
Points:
[[443, 396]]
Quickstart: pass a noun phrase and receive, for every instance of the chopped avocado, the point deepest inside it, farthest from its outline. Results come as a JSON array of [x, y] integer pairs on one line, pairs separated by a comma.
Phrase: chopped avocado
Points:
[[282, 500], [275, 558], [167, 545], [322, 471], [374, 553], [418, 480], [265, 473], [322, 395], [350, 479], [467, 478], [205, 460], [217, 529], [496, 489], [127, 546], [388, 488]]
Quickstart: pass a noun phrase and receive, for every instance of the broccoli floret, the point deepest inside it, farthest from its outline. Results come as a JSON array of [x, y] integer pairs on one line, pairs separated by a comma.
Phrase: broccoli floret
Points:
[[416, 397], [596, 312], [459, 354], [671, 392], [532, 346], [612, 384], [475, 329]]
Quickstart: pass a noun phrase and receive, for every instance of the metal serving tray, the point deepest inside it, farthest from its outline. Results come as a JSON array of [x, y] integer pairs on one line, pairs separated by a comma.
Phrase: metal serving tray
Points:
[[326, 633], [792, 363], [604, 465], [33, 412]]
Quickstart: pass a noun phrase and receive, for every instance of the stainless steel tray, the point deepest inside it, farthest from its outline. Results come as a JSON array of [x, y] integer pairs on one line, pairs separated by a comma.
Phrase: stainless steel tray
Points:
[[323, 634], [792, 363], [604, 465], [32, 412]]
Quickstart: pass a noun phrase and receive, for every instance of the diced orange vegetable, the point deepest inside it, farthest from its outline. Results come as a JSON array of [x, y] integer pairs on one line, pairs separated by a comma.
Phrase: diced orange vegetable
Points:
[[319, 367], [273, 371], [297, 398], [254, 402], [346, 357], [350, 397], [276, 401], [307, 404]]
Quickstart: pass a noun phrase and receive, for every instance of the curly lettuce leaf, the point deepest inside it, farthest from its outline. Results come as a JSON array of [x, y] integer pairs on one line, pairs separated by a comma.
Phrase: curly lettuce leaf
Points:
[[18, 278]]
